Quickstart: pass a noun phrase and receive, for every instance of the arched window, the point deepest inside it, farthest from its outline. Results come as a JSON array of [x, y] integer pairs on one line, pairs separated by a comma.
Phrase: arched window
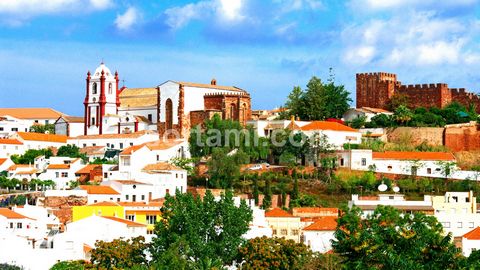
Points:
[[169, 114], [110, 88], [94, 88], [243, 116], [232, 111]]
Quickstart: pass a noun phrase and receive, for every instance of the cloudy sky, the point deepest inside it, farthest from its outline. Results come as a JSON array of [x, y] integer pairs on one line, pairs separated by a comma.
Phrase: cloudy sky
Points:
[[264, 46]]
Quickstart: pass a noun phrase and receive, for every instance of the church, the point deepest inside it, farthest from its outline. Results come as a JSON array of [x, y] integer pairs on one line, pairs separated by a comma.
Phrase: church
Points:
[[171, 108]]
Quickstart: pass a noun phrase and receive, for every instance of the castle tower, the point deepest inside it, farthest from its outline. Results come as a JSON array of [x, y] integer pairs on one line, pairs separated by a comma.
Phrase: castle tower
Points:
[[101, 99], [375, 89]]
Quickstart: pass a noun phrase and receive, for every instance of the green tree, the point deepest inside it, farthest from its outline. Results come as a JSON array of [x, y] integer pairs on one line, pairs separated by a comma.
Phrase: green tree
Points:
[[119, 254], [50, 128], [210, 228], [71, 265], [187, 164], [396, 101], [388, 239], [403, 115], [70, 150], [267, 195], [224, 167], [29, 156], [358, 122], [273, 253]]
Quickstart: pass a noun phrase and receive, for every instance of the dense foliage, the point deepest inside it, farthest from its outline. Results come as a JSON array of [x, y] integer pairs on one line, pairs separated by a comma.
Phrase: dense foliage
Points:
[[273, 253], [119, 254], [390, 240], [70, 150], [319, 101], [203, 228], [50, 128], [29, 156]]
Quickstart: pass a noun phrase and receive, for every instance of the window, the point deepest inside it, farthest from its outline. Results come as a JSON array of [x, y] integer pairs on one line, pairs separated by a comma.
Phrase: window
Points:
[[118, 199], [110, 88], [284, 232], [64, 174], [121, 145], [342, 162], [429, 170], [14, 129], [158, 157], [19, 225], [112, 146], [57, 174], [149, 117], [127, 197], [84, 145], [36, 121], [151, 219], [459, 224], [11, 225], [274, 231], [1, 128], [294, 232], [149, 231], [131, 217], [364, 162], [131, 144], [94, 88], [108, 144], [134, 198], [105, 175], [93, 121], [389, 167], [94, 144], [176, 175], [126, 161], [143, 197], [446, 224], [471, 225]]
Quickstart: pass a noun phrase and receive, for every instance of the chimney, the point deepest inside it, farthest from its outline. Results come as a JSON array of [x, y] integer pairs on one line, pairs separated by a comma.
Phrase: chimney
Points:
[[213, 82]]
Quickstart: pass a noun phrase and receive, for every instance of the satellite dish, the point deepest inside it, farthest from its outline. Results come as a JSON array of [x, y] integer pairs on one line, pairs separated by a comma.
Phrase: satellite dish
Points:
[[382, 187], [396, 189]]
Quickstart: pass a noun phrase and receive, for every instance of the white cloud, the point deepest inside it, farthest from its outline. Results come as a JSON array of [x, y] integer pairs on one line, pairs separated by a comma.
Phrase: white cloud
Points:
[[126, 20], [226, 10], [389, 5], [412, 39], [297, 5], [16, 11]]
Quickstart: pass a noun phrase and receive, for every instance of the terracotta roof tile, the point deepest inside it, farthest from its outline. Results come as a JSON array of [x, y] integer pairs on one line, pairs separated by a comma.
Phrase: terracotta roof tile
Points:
[[473, 234], [277, 212], [161, 166], [11, 214], [315, 210], [219, 87], [2, 160], [413, 155], [130, 182], [93, 150], [99, 189], [152, 146], [105, 203], [31, 113], [125, 221], [58, 166], [10, 141], [88, 168], [32, 136], [130, 150], [323, 224], [326, 125]]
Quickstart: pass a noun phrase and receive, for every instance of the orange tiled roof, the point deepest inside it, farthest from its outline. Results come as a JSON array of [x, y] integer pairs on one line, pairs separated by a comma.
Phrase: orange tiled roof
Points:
[[92, 150], [326, 125], [116, 136], [2, 160], [11, 214], [126, 221], [153, 146], [87, 169], [130, 150], [105, 203], [87, 248], [10, 141], [17, 166], [58, 166], [473, 234], [315, 210], [161, 166], [31, 113], [99, 189], [323, 224], [32, 136], [130, 182], [413, 155], [277, 212], [73, 119]]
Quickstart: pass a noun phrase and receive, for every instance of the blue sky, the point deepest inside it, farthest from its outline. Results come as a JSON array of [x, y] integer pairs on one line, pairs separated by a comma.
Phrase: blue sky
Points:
[[264, 46]]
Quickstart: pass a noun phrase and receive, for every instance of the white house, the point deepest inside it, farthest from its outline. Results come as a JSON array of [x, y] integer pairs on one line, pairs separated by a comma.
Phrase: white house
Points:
[[21, 119], [398, 201], [10, 147], [265, 128], [366, 112], [17, 224], [259, 226], [319, 235], [132, 191], [114, 141], [61, 170], [164, 178], [100, 193], [23, 172], [471, 242], [336, 134], [5, 163], [33, 140], [70, 126]]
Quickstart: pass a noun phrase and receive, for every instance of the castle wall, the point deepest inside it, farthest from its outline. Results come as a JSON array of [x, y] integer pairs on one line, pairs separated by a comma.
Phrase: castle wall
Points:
[[375, 89], [426, 95], [466, 138]]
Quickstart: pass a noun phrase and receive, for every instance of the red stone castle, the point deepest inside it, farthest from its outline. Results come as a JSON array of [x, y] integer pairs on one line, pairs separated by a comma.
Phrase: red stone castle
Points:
[[377, 89]]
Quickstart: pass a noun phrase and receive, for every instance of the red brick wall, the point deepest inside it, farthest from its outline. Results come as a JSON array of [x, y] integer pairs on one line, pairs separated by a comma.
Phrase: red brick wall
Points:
[[375, 89], [462, 138]]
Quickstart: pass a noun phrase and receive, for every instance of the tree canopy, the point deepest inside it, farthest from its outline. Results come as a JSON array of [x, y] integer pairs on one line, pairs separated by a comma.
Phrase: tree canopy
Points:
[[319, 101], [388, 239], [29, 156], [119, 254], [206, 228]]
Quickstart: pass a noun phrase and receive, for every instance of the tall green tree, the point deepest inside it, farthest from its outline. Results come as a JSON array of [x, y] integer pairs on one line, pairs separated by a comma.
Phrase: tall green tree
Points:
[[70, 150], [29, 156], [319, 101], [210, 228], [388, 239], [224, 167], [119, 254]]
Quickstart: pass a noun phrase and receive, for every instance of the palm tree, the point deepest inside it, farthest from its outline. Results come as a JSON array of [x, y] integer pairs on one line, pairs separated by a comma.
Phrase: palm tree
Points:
[[403, 114]]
